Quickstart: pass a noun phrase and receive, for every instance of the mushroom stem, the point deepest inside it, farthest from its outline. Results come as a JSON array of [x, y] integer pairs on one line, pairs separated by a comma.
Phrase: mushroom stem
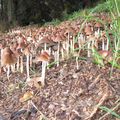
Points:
[[13, 68], [1, 55], [62, 54], [73, 49], [67, 44], [77, 65], [8, 72], [96, 44], [89, 49], [71, 46], [18, 63], [79, 43], [103, 45], [43, 72], [107, 45], [58, 52], [49, 51], [98, 31], [21, 64], [30, 60], [45, 46], [55, 55], [63, 50], [27, 66]]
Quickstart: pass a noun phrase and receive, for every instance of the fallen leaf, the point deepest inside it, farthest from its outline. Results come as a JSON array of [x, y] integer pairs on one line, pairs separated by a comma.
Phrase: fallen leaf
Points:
[[27, 96], [11, 88], [36, 82]]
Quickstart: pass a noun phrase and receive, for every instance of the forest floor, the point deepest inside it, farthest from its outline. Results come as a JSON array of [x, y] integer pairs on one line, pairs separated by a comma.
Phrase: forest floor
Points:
[[69, 94]]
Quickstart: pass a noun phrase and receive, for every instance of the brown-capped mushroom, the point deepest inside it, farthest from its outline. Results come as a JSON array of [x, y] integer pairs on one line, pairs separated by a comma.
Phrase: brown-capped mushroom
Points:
[[44, 58], [8, 58], [27, 54]]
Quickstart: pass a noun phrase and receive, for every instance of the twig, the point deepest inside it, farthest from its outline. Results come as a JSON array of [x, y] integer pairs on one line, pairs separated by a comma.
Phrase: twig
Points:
[[38, 110], [94, 82]]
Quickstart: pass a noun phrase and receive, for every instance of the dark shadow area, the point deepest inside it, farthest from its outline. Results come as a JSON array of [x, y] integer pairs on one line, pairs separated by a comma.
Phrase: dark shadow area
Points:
[[25, 12]]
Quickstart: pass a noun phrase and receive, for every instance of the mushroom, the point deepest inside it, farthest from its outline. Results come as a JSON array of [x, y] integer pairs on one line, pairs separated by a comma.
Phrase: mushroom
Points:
[[18, 54], [44, 58], [8, 58], [88, 31], [105, 42], [13, 47], [21, 46], [92, 42], [27, 54], [98, 26], [67, 45], [76, 54], [106, 55], [57, 39], [2, 46]]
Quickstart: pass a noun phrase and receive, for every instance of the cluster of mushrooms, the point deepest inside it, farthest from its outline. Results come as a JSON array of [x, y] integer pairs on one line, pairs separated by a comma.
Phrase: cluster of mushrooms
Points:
[[25, 46]]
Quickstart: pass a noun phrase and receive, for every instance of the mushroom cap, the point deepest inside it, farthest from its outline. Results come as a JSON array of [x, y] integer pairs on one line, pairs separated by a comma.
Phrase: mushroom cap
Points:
[[44, 40], [92, 37], [18, 53], [46, 54], [27, 51], [8, 57], [43, 57], [21, 45], [88, 30], [58, 38], [13, 46], [104, 53], [98, 25], [76, 45]]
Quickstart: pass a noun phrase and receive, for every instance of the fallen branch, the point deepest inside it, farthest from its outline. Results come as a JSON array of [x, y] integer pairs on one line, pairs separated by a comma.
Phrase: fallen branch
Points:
[[43, 116]]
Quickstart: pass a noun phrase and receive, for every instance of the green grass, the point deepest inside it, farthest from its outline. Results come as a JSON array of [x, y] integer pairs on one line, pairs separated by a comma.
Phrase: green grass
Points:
[[52, 64], [53, 22], [110, 111], [114, 9]]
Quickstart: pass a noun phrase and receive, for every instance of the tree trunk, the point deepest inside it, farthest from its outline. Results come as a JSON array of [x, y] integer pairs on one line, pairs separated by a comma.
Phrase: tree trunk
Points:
[[2, 10], [10, 10]]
